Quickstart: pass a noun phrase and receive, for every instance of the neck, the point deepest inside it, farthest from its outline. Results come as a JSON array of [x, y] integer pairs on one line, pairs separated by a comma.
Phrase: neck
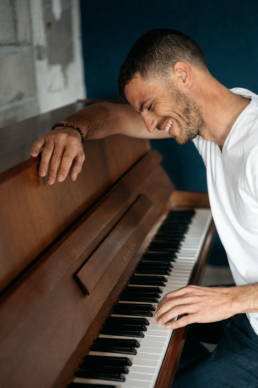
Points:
[[220, 109]]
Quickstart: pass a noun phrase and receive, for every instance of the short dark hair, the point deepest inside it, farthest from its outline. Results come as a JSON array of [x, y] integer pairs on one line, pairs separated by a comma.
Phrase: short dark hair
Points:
[[155, 51]]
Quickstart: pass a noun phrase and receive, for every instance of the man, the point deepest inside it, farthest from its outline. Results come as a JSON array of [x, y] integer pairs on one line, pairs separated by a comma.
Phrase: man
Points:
[[172, 94]]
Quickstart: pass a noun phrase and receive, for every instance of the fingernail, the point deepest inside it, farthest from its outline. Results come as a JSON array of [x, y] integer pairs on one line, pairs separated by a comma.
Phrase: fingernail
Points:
[[60, 178]]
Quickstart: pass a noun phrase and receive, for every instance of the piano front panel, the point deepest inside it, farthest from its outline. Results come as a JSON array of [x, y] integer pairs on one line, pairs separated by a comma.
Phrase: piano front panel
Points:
[[35, 214]]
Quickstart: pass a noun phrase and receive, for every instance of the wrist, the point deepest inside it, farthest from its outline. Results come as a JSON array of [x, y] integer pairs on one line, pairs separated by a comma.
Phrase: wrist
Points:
[[244, 298], [73, 126]]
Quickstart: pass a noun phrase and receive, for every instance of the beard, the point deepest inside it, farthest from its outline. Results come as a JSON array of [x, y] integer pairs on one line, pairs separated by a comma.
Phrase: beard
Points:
[[191, 117]]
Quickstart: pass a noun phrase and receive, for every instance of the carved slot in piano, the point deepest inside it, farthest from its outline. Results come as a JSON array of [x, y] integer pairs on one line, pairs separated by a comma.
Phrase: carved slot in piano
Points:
[[90, 274]]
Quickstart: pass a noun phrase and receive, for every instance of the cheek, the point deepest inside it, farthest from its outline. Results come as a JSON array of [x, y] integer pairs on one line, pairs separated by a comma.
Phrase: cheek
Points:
[[164, 110]]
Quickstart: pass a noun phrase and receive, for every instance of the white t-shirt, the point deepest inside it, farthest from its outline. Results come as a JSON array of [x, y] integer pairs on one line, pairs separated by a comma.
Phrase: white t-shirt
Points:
[[232, 178]]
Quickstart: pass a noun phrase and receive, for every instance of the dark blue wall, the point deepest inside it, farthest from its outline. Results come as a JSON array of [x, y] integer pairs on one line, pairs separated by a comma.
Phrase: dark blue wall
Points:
[[227, 32]]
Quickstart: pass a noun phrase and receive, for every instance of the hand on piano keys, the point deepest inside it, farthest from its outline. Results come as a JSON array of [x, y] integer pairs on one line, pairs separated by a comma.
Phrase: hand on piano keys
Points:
[[196, 304]]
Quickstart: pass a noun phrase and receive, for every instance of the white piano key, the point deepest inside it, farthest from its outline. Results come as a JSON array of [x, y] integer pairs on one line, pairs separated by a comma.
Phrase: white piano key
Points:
[[139, 376], [131, 383], [82, 380], [136, 384], [142, 369]]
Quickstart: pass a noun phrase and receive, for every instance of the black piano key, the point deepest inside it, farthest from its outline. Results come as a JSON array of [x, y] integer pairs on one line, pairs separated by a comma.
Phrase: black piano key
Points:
[[139, 298], [82, 385], [169, 234], [101, 375], [166, 251], [127, 321], [157, 265], [135, 306], [130, 295], [161, 256], [148, 280], [175, 224], [122, 332], [144, 290], [154, 268], [161, 263], [173, 235], [143, 309], [153, 271], [107, 360], [114, 345], [171, 230], [131, 292], [122, 369], [125, 326], [184, 213], [167, 243], [163, 245]]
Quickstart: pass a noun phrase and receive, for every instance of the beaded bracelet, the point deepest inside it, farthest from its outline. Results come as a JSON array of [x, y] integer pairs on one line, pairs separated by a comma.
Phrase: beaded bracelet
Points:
[[70, 125]]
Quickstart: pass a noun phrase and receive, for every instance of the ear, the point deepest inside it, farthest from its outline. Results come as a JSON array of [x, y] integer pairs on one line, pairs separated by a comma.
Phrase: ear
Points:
[[182, 72]]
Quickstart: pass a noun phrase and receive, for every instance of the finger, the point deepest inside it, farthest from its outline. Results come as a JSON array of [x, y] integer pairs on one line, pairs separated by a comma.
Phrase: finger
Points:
[[55, 163], [66, 163], [180, 292], [175, 312], [78, 163], [45, 158], [182, 321], [36, 147], [170, 296], [172, 303]]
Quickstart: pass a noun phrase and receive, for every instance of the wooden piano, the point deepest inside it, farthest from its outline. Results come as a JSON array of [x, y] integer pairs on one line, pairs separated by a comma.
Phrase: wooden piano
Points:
[[83, 264]]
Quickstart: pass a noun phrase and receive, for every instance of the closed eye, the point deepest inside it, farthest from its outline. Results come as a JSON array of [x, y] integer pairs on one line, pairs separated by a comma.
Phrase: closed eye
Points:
[[149, 107]]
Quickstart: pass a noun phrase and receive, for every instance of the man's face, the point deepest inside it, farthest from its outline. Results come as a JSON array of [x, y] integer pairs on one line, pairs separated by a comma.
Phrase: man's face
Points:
[[164, 107]]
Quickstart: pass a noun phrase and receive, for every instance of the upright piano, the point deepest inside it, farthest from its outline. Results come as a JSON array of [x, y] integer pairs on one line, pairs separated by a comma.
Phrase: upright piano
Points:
[[84, 264]]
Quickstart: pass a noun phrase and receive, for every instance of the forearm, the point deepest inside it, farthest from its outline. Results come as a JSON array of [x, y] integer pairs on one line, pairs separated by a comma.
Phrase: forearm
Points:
[[245, 298], [105, 119], [62, 149]]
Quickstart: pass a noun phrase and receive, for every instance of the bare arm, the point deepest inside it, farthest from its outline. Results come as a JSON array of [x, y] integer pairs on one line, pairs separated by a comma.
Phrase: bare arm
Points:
[[105, 119], [62, 151]]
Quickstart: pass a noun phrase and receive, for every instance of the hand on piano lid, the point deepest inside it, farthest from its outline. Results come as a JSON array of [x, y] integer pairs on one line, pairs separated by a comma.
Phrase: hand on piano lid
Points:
[[61, 152], [194, 304]]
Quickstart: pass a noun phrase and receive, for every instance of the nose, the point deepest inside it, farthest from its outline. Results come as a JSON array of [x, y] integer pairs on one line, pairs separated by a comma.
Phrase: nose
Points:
[[149, 121]]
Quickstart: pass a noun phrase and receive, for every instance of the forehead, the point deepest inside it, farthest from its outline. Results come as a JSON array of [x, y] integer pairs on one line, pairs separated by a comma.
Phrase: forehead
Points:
[[140, 89]]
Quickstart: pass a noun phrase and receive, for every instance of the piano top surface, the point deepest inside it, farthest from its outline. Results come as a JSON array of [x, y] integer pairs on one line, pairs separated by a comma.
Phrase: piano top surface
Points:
[[17, 139]]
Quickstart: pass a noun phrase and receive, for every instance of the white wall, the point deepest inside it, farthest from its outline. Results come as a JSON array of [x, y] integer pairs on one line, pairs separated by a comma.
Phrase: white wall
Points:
[[40, 57]]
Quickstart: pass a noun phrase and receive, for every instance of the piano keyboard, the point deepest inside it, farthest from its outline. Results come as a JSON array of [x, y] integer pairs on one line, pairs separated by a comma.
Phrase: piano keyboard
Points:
[[130, 349]]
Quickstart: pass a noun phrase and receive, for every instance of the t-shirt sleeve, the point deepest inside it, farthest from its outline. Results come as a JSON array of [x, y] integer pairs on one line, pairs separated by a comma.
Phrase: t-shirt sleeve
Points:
[[252, 172]]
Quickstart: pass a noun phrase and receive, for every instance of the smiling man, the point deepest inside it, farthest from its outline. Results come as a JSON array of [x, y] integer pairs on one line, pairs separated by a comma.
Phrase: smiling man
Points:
[[172, 94]]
